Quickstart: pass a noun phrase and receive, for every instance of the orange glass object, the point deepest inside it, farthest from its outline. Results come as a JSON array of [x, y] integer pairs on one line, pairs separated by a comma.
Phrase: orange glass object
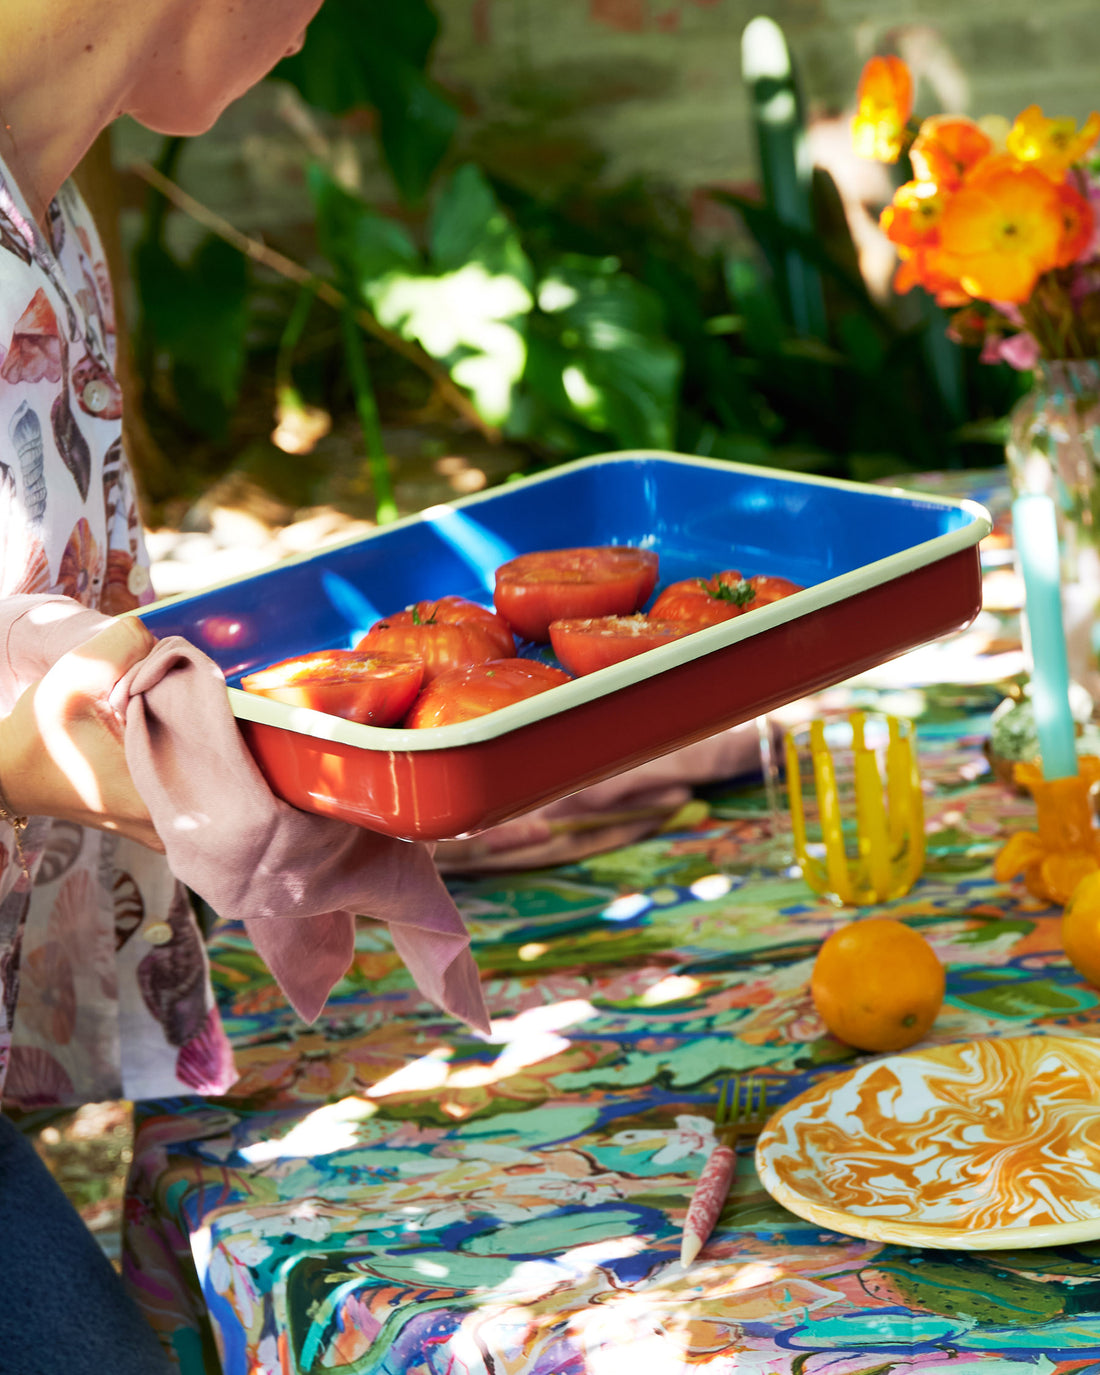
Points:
[[1066, 847]]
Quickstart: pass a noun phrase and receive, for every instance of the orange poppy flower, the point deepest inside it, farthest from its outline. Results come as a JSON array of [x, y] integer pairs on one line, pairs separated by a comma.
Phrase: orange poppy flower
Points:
[[1078, 221], [1001, 230], [928, 268], [908, 274], [1051, 145], [912, 222], [946, 148], [912, 219], [884, 103]]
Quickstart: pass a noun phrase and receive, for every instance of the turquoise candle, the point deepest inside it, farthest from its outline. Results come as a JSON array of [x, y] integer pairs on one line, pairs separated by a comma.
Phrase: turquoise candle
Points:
[[1036, 534]]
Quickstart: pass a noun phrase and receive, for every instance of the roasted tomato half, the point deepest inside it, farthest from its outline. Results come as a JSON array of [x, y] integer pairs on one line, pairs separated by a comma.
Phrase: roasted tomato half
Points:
[[449, 633], [372, 689], [584, 646], [704, 601], [709, 601], [554, 584], [460, 694], [766, 589]]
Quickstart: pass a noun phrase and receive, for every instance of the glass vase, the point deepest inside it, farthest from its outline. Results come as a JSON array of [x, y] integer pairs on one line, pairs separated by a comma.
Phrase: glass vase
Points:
[[1054, 447]]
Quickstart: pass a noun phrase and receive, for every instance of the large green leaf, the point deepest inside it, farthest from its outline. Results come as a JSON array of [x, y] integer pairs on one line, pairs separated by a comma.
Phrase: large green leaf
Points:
[[416, 124], [409, 29], [944, 358], [468, 225], [773, 233], [466, 307], [599, 356], [327, 72], [862, 343], [785, 165], [470, 320], [363, 246], [763, 327], [469, 308], [195, 315], [358, 53]]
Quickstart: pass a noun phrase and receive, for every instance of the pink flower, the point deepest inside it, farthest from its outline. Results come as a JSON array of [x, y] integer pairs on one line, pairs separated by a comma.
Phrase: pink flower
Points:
[[1020, 351], [991, 348], [1011, 312]]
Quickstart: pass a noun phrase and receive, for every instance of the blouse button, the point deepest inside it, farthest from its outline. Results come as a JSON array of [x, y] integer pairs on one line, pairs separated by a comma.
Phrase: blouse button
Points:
[[137, 580], [96, 395], [160, 933]]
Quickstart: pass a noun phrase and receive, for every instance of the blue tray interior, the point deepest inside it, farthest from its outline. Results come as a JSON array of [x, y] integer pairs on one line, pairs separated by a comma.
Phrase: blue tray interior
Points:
[[699, 519]]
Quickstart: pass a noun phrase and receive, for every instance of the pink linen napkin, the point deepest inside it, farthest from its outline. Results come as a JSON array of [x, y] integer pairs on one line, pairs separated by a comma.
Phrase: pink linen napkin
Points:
[[296, 880]]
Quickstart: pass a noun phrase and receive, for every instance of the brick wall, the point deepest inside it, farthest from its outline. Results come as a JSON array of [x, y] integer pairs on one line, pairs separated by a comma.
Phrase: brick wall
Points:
[[558, 89], [653, 86]]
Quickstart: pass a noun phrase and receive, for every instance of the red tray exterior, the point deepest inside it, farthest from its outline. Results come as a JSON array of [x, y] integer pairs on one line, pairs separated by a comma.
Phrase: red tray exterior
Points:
[[441, 794]]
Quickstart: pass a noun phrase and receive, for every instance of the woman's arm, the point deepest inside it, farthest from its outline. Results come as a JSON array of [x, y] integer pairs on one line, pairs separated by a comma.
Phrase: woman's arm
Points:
[[61, 748]]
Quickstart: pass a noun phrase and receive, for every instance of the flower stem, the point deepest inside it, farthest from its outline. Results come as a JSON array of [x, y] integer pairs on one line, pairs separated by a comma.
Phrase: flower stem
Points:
[[385, 506]]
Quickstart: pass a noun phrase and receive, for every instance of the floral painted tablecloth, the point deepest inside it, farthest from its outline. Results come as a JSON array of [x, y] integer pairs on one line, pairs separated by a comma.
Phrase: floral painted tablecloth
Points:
[[386, 1194]]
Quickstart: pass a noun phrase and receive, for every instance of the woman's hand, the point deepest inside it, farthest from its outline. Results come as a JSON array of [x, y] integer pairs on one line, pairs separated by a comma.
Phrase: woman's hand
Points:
[[61, 749]]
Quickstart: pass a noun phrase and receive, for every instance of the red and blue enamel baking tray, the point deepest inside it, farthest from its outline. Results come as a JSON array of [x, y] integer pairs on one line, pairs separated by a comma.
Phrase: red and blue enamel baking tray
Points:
[[884, 571]]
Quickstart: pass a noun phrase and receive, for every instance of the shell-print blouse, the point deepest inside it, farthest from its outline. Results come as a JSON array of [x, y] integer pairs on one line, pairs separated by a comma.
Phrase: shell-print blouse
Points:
[[104, 983]]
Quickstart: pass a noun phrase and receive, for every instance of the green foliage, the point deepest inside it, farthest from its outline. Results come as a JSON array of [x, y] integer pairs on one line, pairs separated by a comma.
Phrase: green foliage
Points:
[[785, 166], [366, 407], [599, 361], [569, 356], [195, 315], [361, 54], [464, 300], [573, 323], [865, 394]]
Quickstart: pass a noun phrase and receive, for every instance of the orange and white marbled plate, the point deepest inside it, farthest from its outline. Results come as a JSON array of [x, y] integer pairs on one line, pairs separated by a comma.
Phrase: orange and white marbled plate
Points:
[[979, 1145]]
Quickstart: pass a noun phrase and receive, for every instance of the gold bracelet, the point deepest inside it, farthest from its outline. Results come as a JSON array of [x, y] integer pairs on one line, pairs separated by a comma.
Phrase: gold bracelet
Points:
[[18, 825]]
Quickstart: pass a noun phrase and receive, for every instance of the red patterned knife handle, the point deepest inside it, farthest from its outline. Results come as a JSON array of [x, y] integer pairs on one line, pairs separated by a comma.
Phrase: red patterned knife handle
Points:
[[707, 1202]]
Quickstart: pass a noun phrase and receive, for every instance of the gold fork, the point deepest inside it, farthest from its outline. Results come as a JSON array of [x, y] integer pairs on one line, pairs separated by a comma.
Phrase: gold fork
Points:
[[742, 1110]]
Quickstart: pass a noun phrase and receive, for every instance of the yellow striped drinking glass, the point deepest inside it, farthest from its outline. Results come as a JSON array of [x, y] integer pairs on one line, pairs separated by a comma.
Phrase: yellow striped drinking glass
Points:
[[857, 817]]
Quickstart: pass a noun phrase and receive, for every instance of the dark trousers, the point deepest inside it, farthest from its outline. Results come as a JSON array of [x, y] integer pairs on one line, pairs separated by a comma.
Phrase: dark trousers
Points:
[[63, 1310]]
